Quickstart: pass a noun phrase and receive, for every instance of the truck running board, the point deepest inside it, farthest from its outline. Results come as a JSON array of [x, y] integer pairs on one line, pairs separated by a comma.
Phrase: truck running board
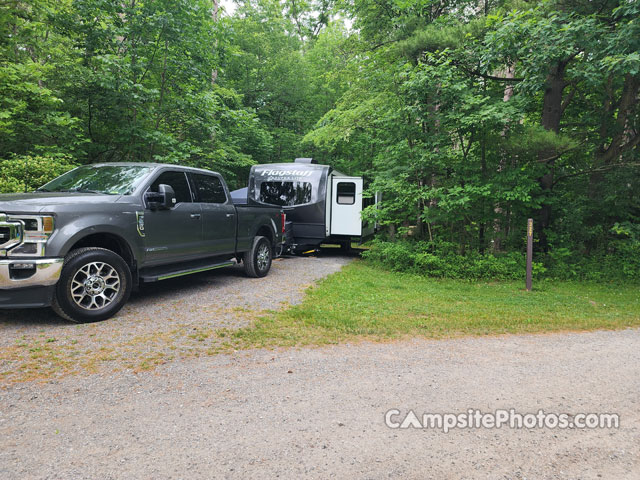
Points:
[[164, 273]]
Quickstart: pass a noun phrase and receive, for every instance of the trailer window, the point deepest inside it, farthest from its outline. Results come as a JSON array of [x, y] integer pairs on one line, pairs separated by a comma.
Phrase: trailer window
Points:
[[346, 193], [285, 194]]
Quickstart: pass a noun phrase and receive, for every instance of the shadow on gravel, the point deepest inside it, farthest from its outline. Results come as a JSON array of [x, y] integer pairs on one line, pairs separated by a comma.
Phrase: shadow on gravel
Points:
[[36, 317]]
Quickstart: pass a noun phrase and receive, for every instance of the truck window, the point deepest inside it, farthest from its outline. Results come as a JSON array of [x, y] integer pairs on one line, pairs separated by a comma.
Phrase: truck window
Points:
[[209, 188], [177, 181], [285, 193], [346, 193]]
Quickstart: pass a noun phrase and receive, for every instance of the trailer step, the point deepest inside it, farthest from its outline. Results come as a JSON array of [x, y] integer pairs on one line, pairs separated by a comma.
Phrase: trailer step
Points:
[[164, 273]]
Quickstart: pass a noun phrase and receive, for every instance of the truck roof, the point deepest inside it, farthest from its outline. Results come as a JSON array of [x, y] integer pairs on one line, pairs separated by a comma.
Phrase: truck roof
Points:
[[152, 164]]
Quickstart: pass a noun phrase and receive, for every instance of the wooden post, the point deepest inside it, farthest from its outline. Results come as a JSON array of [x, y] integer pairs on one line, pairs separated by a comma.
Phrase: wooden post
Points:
[[529, 252]]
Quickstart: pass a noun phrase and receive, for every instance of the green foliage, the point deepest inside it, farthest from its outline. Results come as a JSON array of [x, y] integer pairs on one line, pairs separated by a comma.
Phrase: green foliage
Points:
[[621, 261], [284, 67], [134, 81], [443, 260], [445, 112], [468, 118], [34, 116], [25, 173], [627, 230]]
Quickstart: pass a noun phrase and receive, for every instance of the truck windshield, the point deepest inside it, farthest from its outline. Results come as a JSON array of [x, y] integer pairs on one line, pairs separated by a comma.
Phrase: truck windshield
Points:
[[106, 179]]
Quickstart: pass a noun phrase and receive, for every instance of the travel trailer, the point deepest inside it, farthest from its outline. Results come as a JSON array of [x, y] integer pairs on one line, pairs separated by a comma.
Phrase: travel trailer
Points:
[[322, 205]]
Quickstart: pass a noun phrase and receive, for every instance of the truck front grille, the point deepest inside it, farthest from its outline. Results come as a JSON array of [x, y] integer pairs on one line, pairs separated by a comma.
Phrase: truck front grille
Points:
[[10, 232]]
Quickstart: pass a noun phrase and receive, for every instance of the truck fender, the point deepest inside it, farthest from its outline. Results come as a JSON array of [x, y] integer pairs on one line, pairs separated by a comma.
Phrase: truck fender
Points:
[[107, 231]]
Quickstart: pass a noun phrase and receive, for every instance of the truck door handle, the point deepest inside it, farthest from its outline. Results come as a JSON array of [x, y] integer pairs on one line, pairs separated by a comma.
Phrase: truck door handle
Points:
[[230, 215], [195, 215]]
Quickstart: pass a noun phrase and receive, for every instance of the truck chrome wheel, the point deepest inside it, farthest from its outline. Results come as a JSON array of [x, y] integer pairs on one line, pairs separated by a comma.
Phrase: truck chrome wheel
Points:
[[95, 285], [263, 256]]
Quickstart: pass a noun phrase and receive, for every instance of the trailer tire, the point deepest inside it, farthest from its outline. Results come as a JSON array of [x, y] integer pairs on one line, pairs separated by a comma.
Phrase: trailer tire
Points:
[[345, 246], [257, 260]]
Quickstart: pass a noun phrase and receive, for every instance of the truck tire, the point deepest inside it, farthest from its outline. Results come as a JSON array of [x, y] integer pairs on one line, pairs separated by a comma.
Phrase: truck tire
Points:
[[257, 261], [94, 285]]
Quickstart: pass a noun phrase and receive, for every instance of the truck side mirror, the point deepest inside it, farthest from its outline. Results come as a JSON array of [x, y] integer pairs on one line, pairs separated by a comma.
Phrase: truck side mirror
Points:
[[168, 196], [164, 198]]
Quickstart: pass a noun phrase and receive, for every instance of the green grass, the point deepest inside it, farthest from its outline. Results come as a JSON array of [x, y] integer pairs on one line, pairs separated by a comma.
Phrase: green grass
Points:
[[364, 301], [360, 302]]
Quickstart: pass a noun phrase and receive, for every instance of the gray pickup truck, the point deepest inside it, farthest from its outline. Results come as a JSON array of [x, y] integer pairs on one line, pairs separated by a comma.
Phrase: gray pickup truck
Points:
[[84, 241]]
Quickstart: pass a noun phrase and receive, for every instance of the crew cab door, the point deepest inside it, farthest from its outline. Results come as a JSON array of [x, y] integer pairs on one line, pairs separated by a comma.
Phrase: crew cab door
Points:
[[174, 234], [218, 214]]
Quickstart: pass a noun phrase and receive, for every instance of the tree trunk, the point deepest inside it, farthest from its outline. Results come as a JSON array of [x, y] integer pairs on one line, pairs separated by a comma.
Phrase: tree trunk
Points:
[[483, 174], [163, 84], [616, 137], [623, 137], [214, 16], [392, 232], [498, 230], [551, 115]]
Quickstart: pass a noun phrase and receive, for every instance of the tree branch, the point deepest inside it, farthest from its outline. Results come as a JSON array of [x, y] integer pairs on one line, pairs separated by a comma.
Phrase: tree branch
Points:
[[602, 168], [478, 73], [558, 155]]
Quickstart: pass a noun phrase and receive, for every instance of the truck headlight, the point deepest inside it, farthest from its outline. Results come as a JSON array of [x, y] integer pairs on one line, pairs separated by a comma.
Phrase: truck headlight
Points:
[[36, 231]]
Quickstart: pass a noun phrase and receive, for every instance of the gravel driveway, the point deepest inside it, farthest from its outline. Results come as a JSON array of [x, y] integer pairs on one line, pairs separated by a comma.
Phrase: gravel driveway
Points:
[[164, 321], [318, 412]]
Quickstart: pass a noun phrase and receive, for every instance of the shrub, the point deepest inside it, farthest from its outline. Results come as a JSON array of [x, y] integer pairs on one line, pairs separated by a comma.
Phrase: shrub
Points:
[[621, 261], [25, 173]]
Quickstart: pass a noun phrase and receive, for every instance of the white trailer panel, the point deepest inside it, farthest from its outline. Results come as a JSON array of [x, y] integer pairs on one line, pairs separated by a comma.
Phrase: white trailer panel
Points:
[[346, 205]]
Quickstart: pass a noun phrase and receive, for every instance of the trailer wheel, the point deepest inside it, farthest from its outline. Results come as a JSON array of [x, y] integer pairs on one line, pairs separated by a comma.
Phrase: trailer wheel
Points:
[[94, 285], [345, 246], [257, 261]]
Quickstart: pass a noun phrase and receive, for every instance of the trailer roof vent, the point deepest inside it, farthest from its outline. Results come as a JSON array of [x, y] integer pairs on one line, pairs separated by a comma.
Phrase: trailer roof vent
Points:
[[305, 160]]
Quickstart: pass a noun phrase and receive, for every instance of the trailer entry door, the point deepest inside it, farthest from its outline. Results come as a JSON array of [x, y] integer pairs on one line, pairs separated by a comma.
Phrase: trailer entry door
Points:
[[346, 206]]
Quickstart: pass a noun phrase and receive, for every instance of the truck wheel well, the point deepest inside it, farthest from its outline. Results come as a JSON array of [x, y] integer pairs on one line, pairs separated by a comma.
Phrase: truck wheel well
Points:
[[265, 231], [110, 242]]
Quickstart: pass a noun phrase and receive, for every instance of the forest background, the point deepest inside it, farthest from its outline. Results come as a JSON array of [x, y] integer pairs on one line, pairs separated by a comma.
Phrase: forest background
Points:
[[468, 116]]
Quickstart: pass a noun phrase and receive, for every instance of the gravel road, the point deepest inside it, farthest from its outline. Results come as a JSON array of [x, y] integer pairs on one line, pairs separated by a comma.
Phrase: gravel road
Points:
[[319, 412]]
